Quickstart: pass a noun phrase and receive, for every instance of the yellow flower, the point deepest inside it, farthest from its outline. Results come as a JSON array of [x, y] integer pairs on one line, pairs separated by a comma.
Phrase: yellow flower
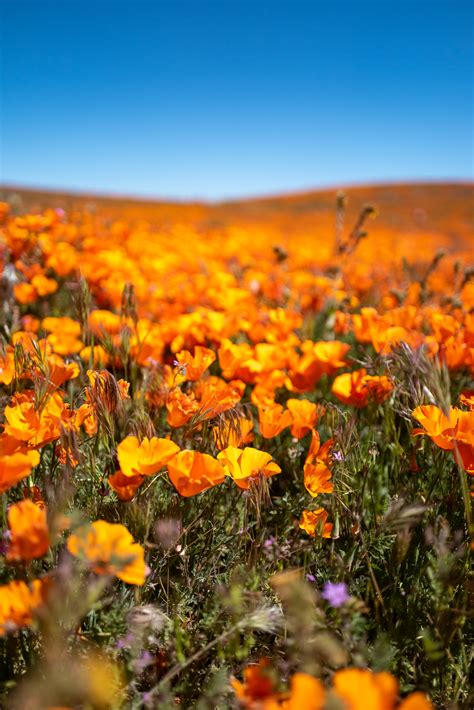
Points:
[[248, 464]]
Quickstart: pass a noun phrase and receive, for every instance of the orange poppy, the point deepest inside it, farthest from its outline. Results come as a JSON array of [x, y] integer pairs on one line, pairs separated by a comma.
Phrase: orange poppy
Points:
[[28, 530], [146, 457], [192, 472], [305, 692], [437, 425], [273, 419], [19, 602], [258, 684], [247, 465], [16, 461], [193, 366], [305, 415], [125, 486], [358, 388], [233, 433], [109, 548], [314, 522], [317, 478], [181, 407]]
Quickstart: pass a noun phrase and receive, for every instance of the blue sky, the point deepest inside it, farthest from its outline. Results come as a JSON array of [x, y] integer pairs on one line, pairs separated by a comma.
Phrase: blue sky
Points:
[[231, 98]]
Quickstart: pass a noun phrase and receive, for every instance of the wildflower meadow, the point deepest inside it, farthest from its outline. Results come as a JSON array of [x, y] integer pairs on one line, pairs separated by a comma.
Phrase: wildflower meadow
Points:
[[236, 447]]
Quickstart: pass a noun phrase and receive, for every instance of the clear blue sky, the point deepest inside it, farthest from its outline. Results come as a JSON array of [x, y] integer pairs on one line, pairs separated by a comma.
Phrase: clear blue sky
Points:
[[230, 98]]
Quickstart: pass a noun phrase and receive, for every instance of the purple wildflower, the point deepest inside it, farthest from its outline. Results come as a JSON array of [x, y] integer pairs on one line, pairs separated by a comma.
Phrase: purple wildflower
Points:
[[145, 660], [269, 542], [335, 593], [147, 697], [310, 577]]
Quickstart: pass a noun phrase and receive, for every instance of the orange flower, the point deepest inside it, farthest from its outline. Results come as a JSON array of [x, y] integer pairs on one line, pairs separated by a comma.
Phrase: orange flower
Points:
[[466, 397], [35, 426], [305, 415], [63, 325], [317, 478], [44, 286], [317, 452], [29, 532], [125, 486], [7, 367], [16, 462], [247, 465], [95, 355], [193, 366], [25, 293], [57, 372], [180, 407], [191, 472], [236, 360], [216, 396], [361, 689], [439, 427], [453, 433], [109, 549], [64, 343], [358, 388], [146, 457], [18, 604], [314, 522], [464, 440], [263, 394], [273, 419], [330, 354], [305, 692], [231, 433], [258, 684], [102, 323], [416, 701]]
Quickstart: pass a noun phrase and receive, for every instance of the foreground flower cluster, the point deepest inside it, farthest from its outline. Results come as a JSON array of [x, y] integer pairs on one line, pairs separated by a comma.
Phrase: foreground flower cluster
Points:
[[154, 382]]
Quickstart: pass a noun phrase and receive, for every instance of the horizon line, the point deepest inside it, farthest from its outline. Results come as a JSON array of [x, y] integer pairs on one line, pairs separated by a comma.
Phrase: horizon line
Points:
[[136, 197]]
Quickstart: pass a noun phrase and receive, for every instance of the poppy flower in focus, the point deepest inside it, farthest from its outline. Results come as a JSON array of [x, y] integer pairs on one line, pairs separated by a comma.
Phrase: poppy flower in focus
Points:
[[273, 419], [192, 472], [317, 478], [146, 457], [358, 388], [314, 522], [305, 415], [248, 464], [193, 366], [125, 486], [436, 424]]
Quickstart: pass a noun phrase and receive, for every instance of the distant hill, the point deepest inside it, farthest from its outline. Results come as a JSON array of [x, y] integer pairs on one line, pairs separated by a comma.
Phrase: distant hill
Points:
[[443, 209]]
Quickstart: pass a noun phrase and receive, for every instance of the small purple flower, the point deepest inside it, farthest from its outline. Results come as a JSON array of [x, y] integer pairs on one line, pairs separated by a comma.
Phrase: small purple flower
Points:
[[147, 697], [335, 593], [145, 660], [310, 577], [337, 456], [269, 542], [125, 641]]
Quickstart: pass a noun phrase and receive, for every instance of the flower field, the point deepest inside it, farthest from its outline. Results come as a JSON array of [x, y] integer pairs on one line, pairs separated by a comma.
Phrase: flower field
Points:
[[236, 447]]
